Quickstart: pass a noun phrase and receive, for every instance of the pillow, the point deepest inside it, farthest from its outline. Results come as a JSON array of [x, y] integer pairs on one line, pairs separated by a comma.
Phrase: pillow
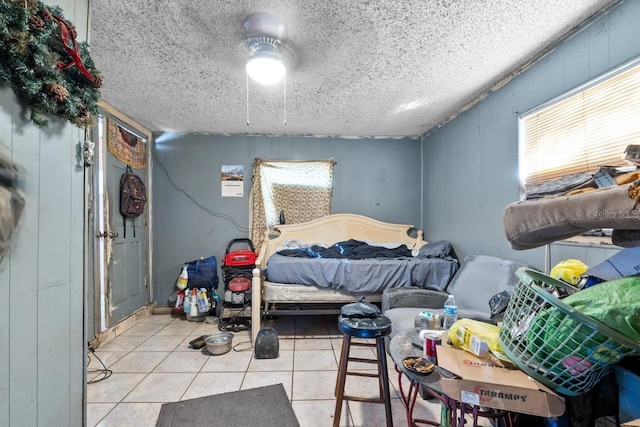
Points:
[[439, 249]]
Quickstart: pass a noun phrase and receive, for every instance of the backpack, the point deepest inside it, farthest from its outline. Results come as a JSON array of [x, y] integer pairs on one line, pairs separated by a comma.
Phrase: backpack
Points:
[[133, 197]]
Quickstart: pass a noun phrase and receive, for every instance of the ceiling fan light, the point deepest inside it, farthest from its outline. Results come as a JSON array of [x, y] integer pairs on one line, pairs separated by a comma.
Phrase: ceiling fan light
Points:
[[265, 69]]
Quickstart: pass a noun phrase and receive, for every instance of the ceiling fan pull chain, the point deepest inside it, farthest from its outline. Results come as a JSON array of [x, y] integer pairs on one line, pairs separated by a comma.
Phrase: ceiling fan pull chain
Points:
[[247, 75], [284, 96]]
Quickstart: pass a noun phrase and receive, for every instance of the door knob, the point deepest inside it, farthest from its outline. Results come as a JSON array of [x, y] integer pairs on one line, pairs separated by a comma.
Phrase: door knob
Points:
[[109, 234]]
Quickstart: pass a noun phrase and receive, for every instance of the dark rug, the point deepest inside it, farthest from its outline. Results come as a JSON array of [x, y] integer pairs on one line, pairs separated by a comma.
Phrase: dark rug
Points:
[[263, 406]]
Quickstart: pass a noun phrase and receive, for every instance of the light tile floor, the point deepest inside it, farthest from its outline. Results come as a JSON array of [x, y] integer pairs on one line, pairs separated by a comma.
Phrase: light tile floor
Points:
[[152, 364]]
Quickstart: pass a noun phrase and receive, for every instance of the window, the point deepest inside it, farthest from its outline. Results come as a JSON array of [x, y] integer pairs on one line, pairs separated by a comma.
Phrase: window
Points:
[[293, 191], [584, 129], [302, 190]]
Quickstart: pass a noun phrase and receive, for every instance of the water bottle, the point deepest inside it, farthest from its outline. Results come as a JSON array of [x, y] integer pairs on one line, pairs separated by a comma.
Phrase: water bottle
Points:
[[450, 312]]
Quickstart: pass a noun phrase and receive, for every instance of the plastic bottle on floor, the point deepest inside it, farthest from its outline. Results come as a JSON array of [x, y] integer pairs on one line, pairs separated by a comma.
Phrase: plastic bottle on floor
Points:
[[187, 302], [203, 304], [450, 312], [179, 301], [183, 279], [193, 308]]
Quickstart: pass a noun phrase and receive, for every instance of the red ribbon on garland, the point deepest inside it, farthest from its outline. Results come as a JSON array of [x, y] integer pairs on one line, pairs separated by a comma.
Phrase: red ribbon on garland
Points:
[[73, 51]]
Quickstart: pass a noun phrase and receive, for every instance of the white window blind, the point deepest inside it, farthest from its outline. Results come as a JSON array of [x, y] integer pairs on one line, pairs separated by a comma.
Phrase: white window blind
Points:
[[580, 132]]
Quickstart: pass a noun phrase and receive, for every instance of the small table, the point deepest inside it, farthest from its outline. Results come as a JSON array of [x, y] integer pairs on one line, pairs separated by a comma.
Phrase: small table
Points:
[[400, 347]]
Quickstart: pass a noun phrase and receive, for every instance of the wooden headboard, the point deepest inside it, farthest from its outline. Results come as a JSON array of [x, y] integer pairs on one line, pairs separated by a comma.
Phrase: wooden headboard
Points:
[[337, 228], [326, 230]]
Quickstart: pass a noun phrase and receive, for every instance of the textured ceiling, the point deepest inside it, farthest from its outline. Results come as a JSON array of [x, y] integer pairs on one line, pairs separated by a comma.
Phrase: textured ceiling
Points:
[[356, 68]]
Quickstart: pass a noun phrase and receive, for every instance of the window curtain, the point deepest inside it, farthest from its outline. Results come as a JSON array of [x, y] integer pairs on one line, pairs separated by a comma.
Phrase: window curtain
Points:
[[297, 191]]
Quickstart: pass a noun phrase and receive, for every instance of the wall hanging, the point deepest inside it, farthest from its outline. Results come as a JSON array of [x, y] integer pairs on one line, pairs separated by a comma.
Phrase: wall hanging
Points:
[[45, 65], [125, 146]]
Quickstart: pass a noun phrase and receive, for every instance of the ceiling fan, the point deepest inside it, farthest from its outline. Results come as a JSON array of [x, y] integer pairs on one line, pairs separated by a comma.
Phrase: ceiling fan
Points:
[[269, 55]]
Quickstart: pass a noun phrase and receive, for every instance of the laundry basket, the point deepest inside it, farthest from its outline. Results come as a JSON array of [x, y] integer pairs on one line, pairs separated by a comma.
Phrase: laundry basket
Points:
[[555, 344]]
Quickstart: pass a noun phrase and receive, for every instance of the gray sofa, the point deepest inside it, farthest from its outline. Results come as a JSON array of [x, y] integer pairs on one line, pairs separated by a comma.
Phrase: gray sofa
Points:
[[480, 277]]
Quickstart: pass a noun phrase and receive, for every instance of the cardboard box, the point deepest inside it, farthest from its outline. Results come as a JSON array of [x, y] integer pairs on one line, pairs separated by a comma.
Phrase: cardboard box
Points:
[[632, 423], [624, 263], [487, 384]]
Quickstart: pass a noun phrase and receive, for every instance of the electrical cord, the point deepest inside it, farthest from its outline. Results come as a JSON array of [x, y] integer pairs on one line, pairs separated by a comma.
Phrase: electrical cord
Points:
[[250, 348], [197, 203], [233, 272], [106, 373], [234, 323]]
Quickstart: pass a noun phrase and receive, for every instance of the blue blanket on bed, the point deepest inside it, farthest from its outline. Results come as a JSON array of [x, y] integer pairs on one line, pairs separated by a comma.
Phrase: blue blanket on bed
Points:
[[432, 267], [349, 249]]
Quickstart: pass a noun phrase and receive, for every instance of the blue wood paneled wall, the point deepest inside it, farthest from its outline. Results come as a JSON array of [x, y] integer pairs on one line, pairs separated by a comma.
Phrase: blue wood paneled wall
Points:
[[42, 341], [41, 331], [379, 178], [471, 163]]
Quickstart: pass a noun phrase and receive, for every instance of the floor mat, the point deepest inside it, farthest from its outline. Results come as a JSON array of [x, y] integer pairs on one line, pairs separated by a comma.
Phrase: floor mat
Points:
[[263, 406]]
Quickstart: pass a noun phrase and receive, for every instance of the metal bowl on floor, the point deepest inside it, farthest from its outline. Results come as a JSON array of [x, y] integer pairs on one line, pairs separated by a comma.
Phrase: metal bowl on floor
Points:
[[219, 343]]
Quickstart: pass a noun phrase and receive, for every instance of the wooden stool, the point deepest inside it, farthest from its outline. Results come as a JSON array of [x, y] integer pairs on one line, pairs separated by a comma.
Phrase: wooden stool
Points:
[[377, 328]]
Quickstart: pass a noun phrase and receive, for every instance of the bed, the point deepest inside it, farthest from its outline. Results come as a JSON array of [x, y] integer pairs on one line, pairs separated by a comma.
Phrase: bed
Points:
[[322, 285], [533, 223]]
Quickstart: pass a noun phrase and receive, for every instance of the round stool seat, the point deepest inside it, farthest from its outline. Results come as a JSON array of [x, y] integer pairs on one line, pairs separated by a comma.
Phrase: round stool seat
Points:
[[365, 327]]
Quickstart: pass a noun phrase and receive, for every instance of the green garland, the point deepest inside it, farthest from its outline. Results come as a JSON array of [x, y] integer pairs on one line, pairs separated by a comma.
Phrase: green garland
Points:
[[51, 76]]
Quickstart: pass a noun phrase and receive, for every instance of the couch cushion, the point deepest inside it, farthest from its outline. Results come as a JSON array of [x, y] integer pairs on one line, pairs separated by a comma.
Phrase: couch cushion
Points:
[[480, 278], [412, 297]]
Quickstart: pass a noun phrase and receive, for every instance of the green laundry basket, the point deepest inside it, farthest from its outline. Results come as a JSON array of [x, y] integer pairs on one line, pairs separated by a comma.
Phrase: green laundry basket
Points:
[[555, 344]]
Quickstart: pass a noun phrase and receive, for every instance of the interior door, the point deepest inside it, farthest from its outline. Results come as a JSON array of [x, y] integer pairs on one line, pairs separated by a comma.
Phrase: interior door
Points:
[[125, 249]]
